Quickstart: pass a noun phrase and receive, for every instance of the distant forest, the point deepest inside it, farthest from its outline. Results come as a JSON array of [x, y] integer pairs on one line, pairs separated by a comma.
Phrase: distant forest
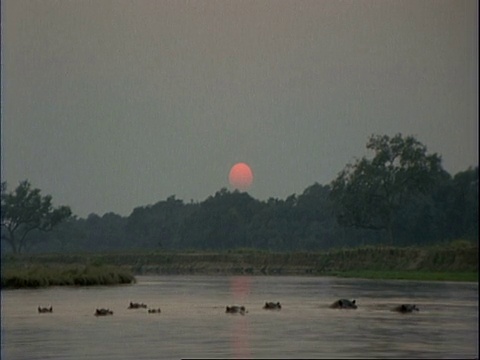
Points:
[[230, 220], [361, 207]]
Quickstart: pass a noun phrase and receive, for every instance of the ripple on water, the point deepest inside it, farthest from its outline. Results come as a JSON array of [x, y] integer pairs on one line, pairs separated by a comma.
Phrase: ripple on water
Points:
[[193, 322]]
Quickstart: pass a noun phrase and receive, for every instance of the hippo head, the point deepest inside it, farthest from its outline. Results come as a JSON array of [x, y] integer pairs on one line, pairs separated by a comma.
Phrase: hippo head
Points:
[[347, 304], [344, 304], [235, 309], [103, 312], [272, 305], [45, 309], [409, 308]]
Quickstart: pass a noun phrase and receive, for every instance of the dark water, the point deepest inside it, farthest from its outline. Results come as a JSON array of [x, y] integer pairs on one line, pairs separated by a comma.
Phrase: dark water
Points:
[[193, 322]]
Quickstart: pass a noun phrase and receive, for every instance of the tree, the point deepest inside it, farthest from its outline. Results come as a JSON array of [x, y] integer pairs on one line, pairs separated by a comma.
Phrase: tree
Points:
[[158, 225], [314, 216], [368, 192], [25, 210], [462, 206], [220, 222]]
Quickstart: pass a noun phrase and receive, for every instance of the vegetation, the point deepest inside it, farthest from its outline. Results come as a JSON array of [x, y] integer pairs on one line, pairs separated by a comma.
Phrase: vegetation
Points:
[[369, 192], [40, 275], [468, 276], [402, 195], [457, 261], [24, 211]]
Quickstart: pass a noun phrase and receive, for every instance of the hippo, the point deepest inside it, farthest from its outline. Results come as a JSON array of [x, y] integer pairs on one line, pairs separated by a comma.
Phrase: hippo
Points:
[[344, 304], [103, 312], [272, 306], [45, 309], [154, 311], [406, 308], [236, 310], [137, 306]]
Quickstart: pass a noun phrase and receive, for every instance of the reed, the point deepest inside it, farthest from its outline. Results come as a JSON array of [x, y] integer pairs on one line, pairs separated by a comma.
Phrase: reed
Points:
[[40, 275], [451, 262], [467, 276]]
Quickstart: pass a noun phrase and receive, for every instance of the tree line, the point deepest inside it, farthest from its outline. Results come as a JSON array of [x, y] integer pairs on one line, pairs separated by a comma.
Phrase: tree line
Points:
[[400, 196]]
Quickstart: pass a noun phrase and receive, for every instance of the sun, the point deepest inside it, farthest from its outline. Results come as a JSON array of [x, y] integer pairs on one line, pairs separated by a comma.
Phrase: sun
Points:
[[240, 176]]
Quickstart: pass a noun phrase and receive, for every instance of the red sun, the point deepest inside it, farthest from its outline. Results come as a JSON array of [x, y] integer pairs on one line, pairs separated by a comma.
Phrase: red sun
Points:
[[240, 176]]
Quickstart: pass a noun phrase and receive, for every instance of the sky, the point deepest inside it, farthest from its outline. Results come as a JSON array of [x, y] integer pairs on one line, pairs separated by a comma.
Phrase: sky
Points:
[[113, 104]]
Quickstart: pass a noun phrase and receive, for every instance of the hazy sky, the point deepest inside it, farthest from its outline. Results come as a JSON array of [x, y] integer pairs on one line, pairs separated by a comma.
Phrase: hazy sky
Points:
[[112, 104]]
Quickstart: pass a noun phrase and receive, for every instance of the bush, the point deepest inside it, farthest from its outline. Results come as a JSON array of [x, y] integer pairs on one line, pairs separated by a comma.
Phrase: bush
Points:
[[42, 275]]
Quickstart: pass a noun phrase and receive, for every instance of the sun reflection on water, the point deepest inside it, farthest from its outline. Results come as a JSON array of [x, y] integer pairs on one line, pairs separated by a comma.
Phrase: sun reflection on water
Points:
[[240, 289]]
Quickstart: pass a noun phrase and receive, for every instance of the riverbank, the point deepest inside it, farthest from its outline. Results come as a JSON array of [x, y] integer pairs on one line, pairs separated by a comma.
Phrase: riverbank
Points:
[[32, 275], [443, 263]]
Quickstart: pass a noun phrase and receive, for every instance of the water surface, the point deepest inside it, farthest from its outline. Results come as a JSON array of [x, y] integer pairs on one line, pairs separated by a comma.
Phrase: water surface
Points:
[[193, 322]]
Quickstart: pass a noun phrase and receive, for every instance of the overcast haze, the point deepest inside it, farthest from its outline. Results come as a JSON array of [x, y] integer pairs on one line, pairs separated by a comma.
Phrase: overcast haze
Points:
[[110, 105]]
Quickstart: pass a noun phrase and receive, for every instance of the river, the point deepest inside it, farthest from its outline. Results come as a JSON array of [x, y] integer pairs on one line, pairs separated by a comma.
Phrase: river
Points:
[[193, 322]]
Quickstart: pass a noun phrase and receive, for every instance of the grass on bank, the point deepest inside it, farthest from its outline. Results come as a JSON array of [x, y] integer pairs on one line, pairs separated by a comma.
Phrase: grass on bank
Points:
[[469, 276], [450, 262], [40, 275]]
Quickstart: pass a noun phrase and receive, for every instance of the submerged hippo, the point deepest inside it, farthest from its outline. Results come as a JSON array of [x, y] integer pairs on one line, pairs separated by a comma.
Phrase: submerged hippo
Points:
[[236, 310], [343, 304], [103, 312], [272, 306], [154, 311], [137, 306], [406, 308], [45, 309]]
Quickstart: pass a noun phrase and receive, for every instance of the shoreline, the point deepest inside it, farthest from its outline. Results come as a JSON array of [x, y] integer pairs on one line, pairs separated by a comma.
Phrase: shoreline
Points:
[[436, 263], [11, 283], [360, 274]]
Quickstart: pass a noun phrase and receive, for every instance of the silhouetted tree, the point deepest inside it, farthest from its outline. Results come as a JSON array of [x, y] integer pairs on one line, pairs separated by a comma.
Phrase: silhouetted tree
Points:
[[157, 226], [220, 222], [315, 220], [368, 192], [25, 210], [402, 190], [462, 204]]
